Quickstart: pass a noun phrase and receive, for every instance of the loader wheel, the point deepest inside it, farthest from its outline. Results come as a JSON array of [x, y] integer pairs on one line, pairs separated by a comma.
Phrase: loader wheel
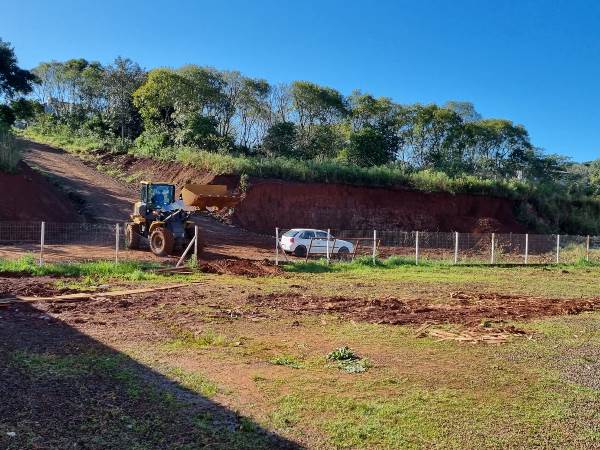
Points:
[[162, 242], [132, 236]]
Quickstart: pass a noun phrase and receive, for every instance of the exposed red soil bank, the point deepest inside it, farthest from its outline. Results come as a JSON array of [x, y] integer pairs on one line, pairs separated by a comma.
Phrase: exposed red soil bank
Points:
[[287, 204], [275, 203], [28, 196]]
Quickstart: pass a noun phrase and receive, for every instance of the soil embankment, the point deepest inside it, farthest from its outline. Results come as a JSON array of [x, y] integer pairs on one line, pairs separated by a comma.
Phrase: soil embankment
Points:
[[276, 203], [28, 196]]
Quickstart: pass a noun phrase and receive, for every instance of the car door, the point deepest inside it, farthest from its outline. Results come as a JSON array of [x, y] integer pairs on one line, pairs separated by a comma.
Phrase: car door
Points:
[[320, 243], [305, 239]]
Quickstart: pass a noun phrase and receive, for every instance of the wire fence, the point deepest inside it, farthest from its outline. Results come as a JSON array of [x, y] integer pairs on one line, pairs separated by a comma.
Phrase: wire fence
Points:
[[94, 241], [452, 247], [53, 242]]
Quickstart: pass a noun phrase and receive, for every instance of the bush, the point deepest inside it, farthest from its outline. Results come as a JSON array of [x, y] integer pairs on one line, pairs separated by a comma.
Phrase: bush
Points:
[[10, 151]]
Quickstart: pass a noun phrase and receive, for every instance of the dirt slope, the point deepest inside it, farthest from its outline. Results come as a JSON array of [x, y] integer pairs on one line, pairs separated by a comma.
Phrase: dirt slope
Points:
[[101, 198], [28, 196], [286, 204]]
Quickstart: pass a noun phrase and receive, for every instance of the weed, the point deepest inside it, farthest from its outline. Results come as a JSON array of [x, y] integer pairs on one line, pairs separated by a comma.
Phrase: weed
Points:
[[287, 360], [348, 361]]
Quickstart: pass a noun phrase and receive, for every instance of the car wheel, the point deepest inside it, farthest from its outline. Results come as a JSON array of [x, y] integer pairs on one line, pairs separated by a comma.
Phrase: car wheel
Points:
[[343, 254], [300, 251]]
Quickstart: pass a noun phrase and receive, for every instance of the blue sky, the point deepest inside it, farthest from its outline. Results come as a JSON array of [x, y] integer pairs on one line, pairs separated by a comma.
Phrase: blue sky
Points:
[[534, 62]]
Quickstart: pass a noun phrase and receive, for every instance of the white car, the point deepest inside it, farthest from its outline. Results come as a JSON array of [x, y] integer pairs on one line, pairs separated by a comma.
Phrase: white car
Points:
[[298, 241]]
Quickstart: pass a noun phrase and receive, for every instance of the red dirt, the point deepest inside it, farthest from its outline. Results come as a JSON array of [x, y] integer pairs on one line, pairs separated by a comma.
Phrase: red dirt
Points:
[[28, 196], [241, 267], [272, 203], [461, 308]]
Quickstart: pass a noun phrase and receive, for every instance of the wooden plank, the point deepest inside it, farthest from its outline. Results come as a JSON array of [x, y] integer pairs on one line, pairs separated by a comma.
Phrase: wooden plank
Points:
[[86, 295]]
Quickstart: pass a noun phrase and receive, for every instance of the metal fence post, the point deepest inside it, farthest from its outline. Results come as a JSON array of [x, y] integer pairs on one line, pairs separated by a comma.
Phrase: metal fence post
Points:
[[587, 248], [526, 248], [456, 247], [196, 231], [328, 237], [416, 247], [374, 245], [42, 237], [116, 243], [493, 257], [276, 246], [557, 248]]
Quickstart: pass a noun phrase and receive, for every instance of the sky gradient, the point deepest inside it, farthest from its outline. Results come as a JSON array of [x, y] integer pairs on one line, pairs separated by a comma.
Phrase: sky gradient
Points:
[[534, 62]]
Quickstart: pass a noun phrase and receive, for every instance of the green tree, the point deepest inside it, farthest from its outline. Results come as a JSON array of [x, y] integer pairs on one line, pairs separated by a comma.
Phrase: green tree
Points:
[[13, 79], [367, 147], [280, 140]]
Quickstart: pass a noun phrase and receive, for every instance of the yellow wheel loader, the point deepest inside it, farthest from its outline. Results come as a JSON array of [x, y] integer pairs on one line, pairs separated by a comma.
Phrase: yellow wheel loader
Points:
[[167, 223]]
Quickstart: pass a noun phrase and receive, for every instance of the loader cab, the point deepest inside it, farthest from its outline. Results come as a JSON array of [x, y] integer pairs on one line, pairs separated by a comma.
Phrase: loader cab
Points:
[[157, 195]]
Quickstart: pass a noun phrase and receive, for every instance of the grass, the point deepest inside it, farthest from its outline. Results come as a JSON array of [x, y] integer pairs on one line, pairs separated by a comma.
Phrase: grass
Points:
[[327, 170], [130, 270], [416, 393], [288, 361]]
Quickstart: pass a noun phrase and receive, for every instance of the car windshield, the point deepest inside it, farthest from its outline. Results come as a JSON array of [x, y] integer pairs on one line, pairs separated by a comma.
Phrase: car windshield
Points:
[[162, 194], [291, 233]]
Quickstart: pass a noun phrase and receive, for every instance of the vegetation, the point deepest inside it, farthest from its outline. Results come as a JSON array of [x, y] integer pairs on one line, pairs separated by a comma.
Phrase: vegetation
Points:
[[224, 122], [27, 265]]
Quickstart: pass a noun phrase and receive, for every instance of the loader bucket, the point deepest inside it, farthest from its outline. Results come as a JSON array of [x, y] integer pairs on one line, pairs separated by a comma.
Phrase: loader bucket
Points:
[[208, 195]]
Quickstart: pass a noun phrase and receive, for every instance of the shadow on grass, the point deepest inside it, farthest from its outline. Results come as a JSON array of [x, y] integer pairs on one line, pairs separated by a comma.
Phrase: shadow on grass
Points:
[[61, 388]]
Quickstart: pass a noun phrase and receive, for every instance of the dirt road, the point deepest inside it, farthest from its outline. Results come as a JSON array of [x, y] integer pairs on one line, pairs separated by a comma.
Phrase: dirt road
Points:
[[99, 197]]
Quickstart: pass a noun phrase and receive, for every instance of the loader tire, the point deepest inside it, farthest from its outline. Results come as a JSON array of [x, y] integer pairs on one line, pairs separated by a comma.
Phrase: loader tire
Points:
[[162, 242], [132, 236]]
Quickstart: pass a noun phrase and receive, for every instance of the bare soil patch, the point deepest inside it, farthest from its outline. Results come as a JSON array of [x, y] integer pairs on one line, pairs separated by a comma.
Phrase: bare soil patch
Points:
[[241, 267], [462, 308], [37, 287]]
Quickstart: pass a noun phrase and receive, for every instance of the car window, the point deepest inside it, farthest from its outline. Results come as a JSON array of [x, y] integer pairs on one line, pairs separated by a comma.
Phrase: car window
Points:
[[321, 234], [307, 235], [291, 233]]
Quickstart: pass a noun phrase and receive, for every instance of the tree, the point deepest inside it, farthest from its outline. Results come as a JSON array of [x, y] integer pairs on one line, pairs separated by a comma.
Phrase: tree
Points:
[[13, 79], [280, 140], [367, 147], [466, 110], [122, 79], [316, 104]]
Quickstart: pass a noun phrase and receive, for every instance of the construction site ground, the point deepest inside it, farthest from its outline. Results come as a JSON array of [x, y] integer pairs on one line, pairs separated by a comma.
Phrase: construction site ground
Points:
[[235, 356], [237, 353]]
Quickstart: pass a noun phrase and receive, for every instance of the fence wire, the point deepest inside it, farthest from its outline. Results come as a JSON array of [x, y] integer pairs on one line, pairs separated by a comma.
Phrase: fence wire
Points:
[[470, 248]]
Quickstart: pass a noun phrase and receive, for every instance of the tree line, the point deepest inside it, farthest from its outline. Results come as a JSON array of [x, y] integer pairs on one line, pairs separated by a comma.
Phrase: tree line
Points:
[[228, 112]]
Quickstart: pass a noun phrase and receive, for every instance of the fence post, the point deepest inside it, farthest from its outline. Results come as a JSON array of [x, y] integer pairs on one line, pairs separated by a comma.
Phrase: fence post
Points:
[[526, 248], [328, 237], [493, 257], [42, 237], [557, 248], [116, 243], [456, 247], [276, 246], [416, 247], [196, 231], [587, 248], [374, 246]]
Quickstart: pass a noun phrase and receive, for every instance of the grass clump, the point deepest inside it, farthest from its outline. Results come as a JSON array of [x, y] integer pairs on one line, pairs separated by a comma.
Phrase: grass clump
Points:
[[193, 381], [187, 339], [348, 361], [288, 361]]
